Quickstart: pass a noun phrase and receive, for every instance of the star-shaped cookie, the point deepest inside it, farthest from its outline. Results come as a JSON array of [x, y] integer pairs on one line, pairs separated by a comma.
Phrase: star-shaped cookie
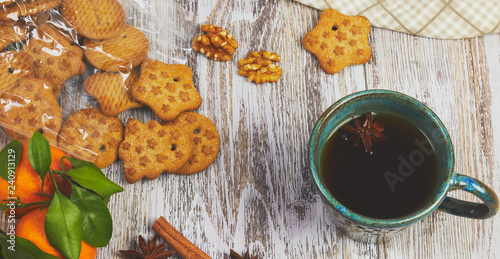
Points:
[[29, 107], [53, 55], [13, 66], [149, 149], [167, 89], [339, 41]]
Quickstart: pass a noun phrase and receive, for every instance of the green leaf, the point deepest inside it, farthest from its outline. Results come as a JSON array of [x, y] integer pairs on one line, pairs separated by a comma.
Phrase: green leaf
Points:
[[23, 249], [63, 226], [9, 158], [77, 163], [106, 200], [92, 179], [97, 221], [39, 154]]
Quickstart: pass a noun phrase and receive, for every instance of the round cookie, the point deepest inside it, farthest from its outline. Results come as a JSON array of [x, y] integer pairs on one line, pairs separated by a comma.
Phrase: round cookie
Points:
[[91, 136], [112, 90], [12, 32], [206, 141], [21, 8], [120, 53], [13, 66], [94, 19], [30, 106]]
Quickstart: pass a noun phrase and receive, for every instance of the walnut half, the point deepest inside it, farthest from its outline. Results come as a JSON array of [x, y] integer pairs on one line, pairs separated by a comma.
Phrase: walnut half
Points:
[[216, 43], [259, 67]]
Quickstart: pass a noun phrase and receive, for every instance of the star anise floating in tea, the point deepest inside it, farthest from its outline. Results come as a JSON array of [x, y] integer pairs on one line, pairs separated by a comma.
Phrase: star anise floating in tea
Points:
[[235, 255], [366, 133], [149, 251]]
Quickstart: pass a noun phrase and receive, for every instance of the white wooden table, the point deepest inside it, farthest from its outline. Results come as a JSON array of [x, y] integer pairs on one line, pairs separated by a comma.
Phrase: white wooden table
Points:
[[258, 194]]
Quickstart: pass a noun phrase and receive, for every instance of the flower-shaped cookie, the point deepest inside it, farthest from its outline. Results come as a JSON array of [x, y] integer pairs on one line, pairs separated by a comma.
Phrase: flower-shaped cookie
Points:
[[339, 41]]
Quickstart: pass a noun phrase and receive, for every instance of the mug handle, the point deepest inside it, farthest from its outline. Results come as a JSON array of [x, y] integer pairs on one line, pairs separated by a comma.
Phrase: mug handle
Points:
[[484, 210]]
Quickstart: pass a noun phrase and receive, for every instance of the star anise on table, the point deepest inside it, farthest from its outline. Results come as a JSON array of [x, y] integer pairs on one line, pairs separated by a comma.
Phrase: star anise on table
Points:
[[149, 251], [366, 133], [235, 255]]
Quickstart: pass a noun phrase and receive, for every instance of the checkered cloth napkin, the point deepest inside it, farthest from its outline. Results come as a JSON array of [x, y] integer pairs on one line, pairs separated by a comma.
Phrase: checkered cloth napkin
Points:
[[445, 19]]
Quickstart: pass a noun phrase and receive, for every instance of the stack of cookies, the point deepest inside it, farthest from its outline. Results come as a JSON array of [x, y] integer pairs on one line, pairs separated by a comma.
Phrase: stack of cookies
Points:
[[187, 145], [184, 143], [54, 50]]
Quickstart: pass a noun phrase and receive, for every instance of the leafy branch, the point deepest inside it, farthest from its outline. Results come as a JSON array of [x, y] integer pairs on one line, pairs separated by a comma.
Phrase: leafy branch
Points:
[[81, 216], [19, 204]]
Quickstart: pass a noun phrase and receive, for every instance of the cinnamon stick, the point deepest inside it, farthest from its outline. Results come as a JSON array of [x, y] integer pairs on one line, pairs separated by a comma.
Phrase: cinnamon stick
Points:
[[177, 241]]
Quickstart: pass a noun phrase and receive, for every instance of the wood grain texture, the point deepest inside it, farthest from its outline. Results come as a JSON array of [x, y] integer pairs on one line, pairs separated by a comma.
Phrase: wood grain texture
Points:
[[258, 194]]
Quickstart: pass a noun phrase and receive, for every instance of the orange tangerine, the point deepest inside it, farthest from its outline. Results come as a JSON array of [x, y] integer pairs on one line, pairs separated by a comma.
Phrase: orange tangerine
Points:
[[31, 227], [28, 183]]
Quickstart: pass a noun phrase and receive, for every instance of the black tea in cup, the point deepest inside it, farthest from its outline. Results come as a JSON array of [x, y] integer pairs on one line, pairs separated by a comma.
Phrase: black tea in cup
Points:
[[380, 165]]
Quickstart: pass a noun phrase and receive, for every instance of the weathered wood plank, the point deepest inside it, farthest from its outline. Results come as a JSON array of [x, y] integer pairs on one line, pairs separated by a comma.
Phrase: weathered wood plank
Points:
[[452, 78]]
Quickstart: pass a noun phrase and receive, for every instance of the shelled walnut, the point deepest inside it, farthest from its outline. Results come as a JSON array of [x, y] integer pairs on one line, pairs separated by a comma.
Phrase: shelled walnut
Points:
[[216, 43], [259, 67]]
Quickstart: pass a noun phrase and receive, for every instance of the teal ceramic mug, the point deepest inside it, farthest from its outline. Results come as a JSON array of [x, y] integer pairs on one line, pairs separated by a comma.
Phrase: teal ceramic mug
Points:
[[368, 229]]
